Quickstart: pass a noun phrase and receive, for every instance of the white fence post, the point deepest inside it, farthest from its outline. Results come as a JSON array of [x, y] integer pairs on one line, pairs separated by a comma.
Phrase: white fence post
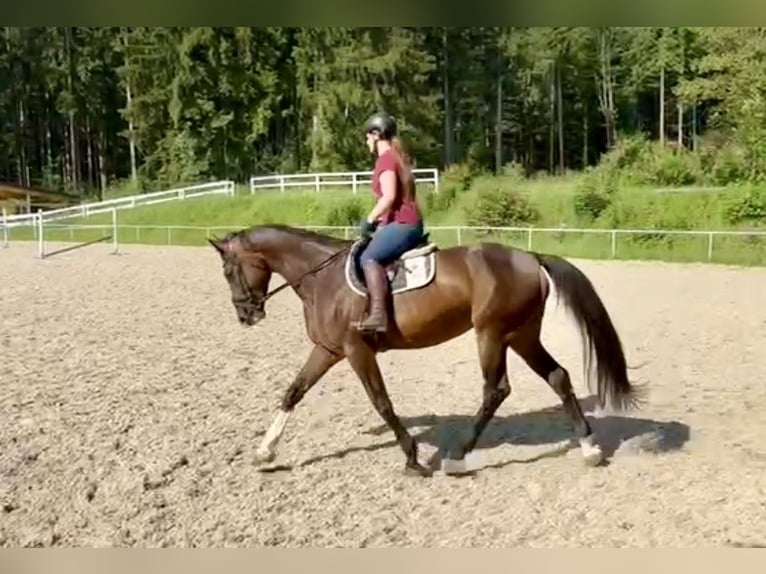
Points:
[[114, 231], [710, 246], [5, 227], [40, 241], [614, 243]]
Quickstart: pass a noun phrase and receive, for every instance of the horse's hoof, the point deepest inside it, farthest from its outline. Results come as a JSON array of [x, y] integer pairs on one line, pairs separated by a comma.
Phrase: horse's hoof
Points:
[[454, 466], [591, 452], [593, 458], [264, 456], [417, 470]]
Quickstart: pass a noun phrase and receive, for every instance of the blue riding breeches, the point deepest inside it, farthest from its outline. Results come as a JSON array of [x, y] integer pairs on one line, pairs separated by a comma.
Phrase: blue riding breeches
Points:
[[390, 241]]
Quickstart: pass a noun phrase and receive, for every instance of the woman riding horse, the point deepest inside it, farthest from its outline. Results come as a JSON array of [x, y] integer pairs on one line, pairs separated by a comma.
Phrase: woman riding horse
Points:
[[395, 224]]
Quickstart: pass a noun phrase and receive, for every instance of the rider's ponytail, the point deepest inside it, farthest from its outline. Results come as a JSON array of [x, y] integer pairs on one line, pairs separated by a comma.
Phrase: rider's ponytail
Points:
[[405, 170]]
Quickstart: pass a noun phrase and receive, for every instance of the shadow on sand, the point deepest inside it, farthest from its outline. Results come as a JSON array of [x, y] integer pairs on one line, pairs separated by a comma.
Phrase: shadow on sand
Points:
[[548, 426]]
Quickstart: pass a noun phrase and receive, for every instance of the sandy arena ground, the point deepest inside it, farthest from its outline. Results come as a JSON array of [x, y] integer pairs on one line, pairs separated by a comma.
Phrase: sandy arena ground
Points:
[[130, 417]]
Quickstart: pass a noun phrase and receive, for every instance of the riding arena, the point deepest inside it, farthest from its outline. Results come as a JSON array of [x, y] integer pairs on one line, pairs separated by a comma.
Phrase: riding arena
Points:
[[136, 406]]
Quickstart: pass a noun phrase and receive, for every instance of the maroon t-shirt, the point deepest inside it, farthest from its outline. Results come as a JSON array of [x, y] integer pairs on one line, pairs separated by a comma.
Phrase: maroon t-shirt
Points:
[[402, 211]]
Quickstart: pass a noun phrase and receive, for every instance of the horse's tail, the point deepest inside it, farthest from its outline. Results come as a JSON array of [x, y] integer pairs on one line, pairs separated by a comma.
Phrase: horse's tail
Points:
[[599, 336]]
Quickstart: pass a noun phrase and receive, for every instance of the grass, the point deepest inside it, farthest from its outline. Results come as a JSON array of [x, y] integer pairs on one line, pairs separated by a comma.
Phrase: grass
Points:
[[552, 198]]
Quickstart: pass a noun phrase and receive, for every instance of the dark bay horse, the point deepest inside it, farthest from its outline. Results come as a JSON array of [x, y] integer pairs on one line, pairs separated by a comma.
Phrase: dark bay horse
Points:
[[498, 291]]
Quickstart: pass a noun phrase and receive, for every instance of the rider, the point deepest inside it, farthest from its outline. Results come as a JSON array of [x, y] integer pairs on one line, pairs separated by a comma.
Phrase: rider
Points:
[[395, 223]]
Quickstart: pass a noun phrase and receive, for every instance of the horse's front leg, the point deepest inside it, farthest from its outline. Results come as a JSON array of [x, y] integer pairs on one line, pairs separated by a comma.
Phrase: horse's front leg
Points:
[[318, 363]]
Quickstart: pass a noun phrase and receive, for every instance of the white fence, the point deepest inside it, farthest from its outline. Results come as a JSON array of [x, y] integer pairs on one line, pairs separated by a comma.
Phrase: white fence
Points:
[[444, 235], [333, 179], [127, 202], [37, 221]]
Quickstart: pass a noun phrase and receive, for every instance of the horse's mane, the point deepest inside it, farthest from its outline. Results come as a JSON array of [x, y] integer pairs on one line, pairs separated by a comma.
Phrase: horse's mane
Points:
[[256, 232]]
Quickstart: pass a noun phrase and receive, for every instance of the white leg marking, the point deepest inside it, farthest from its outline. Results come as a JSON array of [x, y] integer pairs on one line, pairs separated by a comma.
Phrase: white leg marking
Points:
[[472, 461], [454, 466], [267, 450], [591, 451]]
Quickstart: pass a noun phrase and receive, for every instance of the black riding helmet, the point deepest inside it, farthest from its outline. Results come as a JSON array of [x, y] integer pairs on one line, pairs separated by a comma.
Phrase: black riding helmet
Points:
[[384, 124]]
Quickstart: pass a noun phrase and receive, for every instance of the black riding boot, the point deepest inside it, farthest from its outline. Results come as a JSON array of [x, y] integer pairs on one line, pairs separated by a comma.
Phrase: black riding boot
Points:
[[377, 286]]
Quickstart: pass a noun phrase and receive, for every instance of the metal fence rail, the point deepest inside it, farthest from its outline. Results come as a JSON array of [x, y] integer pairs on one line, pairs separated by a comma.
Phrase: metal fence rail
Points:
[[607, 242]]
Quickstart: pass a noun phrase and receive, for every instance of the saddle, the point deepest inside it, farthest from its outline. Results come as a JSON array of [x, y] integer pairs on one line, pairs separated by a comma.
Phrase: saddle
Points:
[[413, 269]]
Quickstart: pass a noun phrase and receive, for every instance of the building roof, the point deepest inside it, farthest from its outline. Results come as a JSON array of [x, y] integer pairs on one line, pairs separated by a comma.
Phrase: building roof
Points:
[[14, 192]]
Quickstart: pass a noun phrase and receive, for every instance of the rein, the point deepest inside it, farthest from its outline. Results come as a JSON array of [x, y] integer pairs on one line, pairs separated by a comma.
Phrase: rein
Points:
[[262, 300]]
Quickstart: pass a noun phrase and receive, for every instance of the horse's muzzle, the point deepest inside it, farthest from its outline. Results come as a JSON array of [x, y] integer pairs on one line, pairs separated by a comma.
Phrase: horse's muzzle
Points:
[[252, 317]]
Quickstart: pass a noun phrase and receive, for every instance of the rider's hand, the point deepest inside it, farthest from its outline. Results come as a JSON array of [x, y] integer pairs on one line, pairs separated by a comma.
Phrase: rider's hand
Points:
[[367, 228]]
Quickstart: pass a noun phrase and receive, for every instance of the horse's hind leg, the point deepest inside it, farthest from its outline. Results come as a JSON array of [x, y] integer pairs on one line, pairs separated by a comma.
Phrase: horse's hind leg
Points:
[[363, 362], [492, 359], [526, 343]]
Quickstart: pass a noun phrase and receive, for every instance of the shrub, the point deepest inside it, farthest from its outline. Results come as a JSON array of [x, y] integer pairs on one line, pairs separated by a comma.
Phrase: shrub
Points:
[[726, 165], [627, 161], [595, 192], [589, 200], [674, 168], [350, 212], [456, 179], [749, 206], [636, 160], [459, 175], [513, 170], [498, 207], [443, 200]]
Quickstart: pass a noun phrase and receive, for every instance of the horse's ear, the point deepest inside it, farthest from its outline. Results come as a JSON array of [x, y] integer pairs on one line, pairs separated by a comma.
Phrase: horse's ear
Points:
[[218, 244]]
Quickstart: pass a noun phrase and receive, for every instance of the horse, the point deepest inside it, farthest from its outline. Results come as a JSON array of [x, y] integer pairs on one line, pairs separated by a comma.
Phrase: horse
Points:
[[435, 294]]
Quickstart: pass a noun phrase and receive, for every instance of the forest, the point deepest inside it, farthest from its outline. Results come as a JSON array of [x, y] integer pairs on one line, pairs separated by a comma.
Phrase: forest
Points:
[[87, 109]]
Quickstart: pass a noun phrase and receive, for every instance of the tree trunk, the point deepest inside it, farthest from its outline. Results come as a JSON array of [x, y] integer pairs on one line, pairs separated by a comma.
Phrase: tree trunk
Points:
[[66, 164], [560, 105], [74, 160], [606, 90], [89, 150], [131, 132], [680, 125], [101, 160], [73, 167], [22, 146], [585, 136], [448, 146], [131, 126], [551, 118], [662, 105], [499, 123], [48, 138], [297, 124], [694, 127]]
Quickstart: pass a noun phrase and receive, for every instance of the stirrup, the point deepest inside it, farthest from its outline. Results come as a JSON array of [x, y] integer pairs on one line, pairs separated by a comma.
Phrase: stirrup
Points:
[[365, 327]]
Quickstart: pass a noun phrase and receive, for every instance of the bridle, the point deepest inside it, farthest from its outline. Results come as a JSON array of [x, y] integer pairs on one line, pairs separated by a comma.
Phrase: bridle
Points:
[[260, 300]]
